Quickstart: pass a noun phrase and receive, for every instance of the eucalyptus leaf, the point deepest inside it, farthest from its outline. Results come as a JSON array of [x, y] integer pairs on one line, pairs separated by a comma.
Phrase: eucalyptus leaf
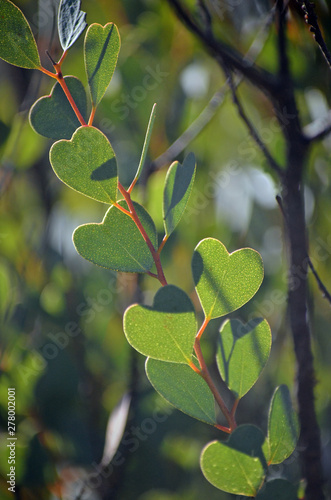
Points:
[[178, 186], [146, 143], [283, 427], [182, 387], [224, 282], [242, 353], [101, 49], [166, 330], [53, 117], [237, 465], [117, 243], [17, 43], [71, 22], [87, 164]]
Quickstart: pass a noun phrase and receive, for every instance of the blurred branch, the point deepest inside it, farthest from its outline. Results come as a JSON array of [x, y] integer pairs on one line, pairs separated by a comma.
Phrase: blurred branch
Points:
[[253, 132], [312, 20], [224, 54], [180, 144], [320, 283]]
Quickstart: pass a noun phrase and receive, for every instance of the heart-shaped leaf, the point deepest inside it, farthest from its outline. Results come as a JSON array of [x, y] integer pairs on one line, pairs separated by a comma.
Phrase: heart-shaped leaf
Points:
[[225, 282], [71, 22], [117, 243], [183, 388], [166, 330], [17, 43], [177, 190], [243, 351], [102, 46], [278, 489], [53, 117], [237, 465], [87, 164], [283, 427]]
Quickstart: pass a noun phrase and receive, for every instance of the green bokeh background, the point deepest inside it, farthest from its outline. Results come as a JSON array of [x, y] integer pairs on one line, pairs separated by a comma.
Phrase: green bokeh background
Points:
[[62, 343]]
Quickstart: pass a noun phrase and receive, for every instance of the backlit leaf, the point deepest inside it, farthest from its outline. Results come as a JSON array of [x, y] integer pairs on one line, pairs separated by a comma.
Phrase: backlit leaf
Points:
[[71, 22], [225, 282], [237, 465], [177, 190], [183, 388], [166, 330], [87, 163], [243, 351], [116, 243], [283, 427]]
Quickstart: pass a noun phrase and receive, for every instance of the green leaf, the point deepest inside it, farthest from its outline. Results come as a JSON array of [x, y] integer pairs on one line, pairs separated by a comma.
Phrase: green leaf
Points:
[[243, 351], [53, 117], [17, 43], [237, 465], [146, 143], [116, 243], [102, 46], [177, 190], [225, 282], [166, 330], [278, 489], [87, 164], [183, 388], [71, 22], [283, 427]]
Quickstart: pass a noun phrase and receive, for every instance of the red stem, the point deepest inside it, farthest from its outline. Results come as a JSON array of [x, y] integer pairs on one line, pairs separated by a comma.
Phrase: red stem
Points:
[[165, 239], [141, 228], [90, 121], [204, 372], [59, 77], [65, 89]]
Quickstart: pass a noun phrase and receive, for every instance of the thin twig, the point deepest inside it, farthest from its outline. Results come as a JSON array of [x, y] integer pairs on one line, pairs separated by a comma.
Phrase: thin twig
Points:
[[263, 79], [282, 49], [253, 132], [320, 283], [312, 20], [207, 114]]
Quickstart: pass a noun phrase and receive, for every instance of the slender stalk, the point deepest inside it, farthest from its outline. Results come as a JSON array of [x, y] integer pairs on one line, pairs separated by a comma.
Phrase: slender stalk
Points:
[[207, 378], [163, 242], [143, 233], [65, 89], [204, 372], [48, 73], [90, 121], [59, 77]]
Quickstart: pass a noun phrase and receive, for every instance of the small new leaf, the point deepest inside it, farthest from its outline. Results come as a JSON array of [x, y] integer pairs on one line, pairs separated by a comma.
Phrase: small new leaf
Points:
[[17, 43], [71, 22], [177, 190]]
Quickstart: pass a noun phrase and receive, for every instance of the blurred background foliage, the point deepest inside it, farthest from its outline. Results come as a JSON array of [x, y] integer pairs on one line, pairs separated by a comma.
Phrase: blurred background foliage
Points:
[[62, 345]]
